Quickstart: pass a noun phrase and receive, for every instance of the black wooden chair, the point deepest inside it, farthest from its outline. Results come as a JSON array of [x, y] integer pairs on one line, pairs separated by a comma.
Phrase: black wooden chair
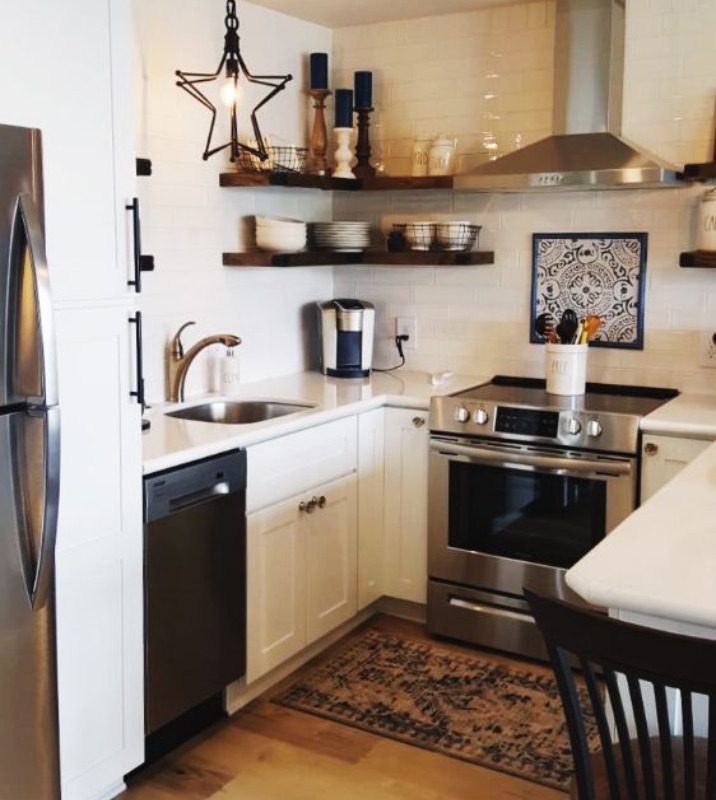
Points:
[[661, 766]]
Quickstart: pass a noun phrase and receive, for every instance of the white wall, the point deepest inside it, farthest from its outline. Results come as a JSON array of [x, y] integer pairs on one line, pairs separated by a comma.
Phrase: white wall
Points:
[[476, 319], [189, 221]]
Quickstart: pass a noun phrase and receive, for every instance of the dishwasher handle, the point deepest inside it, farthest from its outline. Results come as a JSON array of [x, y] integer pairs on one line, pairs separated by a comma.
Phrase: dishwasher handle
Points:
[[198, 497]]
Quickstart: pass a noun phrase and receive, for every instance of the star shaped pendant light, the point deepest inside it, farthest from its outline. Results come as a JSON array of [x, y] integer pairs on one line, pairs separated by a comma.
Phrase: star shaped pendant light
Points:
[[232, 67]]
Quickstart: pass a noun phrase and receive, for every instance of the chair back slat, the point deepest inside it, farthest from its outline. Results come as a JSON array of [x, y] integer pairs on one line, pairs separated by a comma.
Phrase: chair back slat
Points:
[[622, 726], [687, 721], [642, 735], [641, 667], [667, 762], [600, 716], [575, 724], [711, 751]]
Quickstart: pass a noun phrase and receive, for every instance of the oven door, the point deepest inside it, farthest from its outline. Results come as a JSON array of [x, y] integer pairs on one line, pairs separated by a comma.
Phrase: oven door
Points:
[[502, 516]]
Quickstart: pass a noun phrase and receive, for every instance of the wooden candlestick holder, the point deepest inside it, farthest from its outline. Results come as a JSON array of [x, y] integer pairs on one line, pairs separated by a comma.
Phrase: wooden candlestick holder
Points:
[[363, 168], [319, 138]]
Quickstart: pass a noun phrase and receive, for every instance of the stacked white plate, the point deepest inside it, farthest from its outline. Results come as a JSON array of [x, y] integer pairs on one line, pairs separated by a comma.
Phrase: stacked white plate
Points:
[[280, 235], [341, 237]]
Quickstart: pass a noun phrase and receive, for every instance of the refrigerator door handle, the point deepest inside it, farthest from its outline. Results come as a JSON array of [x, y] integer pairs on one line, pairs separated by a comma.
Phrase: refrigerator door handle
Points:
[[28, 216], [39, 497]]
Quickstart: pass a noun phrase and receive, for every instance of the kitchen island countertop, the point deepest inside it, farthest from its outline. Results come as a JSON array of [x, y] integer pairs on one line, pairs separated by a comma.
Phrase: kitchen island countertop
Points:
[[691, 414], [171, 442], [661, 561]]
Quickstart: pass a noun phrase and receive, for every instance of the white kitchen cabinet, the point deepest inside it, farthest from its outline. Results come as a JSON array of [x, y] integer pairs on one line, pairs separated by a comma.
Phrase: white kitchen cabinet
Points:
[[294, 463], [99, 555], [67, 71], [663, 457], [301, 576], [406, 504], [331, 550], [276, 586], [371, 527]]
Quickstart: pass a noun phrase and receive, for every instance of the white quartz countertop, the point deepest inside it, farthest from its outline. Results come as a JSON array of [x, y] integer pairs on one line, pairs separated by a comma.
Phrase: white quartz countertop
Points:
[[689, 414], [661, 561], [171, 442]]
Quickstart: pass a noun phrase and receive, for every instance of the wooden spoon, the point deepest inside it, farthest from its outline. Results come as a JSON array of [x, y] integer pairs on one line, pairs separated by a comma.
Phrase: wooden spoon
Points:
[[592, 324]]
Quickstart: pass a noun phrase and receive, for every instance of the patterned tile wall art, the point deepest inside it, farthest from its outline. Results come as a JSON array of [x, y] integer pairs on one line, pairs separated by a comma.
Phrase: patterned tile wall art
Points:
[[592, 273]]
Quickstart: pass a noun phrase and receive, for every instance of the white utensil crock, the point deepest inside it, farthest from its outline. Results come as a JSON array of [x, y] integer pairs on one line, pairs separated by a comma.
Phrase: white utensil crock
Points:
[[566, 368]]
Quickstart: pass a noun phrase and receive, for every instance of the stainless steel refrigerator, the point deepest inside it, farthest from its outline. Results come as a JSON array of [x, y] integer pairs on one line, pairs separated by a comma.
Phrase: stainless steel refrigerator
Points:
[[29, 480]]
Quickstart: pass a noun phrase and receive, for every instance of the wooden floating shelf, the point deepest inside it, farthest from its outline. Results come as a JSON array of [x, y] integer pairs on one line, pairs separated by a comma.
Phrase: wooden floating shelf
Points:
[[700, 172], [699, 259], [411, 258], [253, 180]]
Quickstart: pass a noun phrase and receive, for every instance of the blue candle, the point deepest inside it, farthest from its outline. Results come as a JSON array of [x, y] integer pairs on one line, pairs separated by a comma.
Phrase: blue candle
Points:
[[364, 89], [344, 108], [319, 70]]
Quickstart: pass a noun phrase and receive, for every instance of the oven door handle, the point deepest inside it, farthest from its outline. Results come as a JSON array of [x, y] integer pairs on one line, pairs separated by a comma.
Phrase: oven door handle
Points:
[[557, 464]]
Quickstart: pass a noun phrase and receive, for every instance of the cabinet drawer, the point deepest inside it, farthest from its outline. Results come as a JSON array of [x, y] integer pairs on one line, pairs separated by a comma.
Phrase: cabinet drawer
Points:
[[294, 463]]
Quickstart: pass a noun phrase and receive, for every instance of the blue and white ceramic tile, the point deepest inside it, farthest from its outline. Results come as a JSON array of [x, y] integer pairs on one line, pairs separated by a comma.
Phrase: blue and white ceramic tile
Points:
[[592, 273]]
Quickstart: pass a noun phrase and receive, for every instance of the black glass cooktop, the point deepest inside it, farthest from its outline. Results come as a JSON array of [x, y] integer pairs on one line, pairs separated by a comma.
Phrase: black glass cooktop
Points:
[[599, 397]]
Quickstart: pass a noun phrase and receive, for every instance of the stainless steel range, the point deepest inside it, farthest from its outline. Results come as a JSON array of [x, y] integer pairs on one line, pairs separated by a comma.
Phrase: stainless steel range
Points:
[[522, 485]]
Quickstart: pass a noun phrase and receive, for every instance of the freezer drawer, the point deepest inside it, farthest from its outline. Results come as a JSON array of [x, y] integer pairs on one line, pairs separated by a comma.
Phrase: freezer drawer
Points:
[[195, 569]]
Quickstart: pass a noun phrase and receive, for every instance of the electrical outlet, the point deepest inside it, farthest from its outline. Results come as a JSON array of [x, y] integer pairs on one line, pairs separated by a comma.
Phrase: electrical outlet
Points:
[[407, 326], [707, 349]]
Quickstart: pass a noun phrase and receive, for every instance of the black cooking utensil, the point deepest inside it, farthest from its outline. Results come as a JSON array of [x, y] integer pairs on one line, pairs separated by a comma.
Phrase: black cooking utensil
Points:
[[567, 328], [544, 325]]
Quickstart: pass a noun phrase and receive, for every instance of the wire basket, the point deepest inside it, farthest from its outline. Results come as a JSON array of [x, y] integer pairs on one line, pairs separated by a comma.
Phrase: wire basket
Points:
[[280, 159], [457, 237]]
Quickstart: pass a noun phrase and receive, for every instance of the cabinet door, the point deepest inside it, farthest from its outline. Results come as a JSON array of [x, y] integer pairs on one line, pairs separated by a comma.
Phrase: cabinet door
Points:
[[371, 476], [406, 504], [66, 70], [331, 557], [276, 586], [663, 458], [99, 556]]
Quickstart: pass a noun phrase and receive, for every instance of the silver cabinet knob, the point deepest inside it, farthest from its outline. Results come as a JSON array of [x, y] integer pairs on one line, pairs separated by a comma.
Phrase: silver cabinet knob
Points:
[[651, 449], [308, 506], [480, 417], [574, 426], [594, 428], [462, 414], [418, 422]]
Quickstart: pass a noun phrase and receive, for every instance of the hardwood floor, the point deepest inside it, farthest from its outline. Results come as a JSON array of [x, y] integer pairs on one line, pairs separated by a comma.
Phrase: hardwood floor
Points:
[[269, 752]]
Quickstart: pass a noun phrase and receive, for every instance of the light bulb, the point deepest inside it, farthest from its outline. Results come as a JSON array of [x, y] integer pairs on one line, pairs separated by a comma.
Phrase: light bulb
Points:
[[230, 92]]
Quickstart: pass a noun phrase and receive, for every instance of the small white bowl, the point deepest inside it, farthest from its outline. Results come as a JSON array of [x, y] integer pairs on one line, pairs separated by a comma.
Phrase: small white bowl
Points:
[[420, 235]]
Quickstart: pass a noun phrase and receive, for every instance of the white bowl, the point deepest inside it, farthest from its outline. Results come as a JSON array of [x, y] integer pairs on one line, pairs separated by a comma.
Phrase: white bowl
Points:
[[288, 243]]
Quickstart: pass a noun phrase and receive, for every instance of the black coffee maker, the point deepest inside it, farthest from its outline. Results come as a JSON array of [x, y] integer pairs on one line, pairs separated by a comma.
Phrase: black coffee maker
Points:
[[346, 334]]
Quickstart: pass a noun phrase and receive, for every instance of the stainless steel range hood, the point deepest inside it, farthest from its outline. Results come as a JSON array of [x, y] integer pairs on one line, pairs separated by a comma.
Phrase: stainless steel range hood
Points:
[[587, 150]]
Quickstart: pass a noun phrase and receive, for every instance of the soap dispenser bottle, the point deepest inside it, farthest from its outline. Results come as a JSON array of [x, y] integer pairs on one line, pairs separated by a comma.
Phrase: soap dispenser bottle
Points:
[[230, 373]]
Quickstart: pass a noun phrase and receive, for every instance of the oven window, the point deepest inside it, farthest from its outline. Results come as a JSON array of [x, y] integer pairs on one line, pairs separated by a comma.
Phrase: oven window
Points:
[[530, 516]]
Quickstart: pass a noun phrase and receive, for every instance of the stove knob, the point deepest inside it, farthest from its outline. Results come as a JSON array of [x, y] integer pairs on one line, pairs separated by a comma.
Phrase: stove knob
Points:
[[574, 426], [462, 414], [594, 428], [480, 417]]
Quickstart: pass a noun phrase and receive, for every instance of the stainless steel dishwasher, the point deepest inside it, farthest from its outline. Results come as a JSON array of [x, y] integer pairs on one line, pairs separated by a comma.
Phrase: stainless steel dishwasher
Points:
[[195, 574]]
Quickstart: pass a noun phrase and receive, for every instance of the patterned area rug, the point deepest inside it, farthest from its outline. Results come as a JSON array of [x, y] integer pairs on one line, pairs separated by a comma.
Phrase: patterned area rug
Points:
[[469, 707]]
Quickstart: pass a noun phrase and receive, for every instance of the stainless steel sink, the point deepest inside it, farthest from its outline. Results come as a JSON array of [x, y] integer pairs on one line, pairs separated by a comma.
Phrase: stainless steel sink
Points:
[[239, 412]]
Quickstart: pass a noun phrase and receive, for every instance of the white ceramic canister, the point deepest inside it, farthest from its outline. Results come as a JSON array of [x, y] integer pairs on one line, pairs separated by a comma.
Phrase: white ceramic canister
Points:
[[421, 150], [566, 368], [706, 239], [441, 159]]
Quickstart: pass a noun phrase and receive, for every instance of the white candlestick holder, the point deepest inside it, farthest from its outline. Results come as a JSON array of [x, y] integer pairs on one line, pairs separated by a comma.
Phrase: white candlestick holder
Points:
[[344, 153]]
